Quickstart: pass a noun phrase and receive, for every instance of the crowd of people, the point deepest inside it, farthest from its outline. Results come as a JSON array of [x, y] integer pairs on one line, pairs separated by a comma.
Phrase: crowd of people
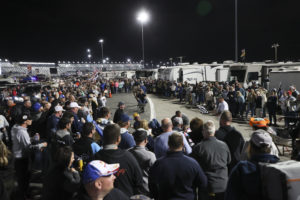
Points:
[[83, 152], [242, 102]]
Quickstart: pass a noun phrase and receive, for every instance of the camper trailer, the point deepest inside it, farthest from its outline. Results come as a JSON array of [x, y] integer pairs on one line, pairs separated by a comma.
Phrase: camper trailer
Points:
[[194, 73], [285, 77], [151, 74], [245, 73]]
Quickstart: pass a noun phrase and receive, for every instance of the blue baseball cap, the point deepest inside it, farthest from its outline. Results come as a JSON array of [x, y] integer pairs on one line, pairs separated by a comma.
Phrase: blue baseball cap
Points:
[[36, 107], [62, 96], [96, 169], [125, 118]]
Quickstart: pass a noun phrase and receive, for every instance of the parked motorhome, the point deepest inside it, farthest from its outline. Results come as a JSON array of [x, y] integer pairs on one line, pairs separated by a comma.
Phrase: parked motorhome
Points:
[[285, 77], [151, 74], [194, 73], [245, 73]]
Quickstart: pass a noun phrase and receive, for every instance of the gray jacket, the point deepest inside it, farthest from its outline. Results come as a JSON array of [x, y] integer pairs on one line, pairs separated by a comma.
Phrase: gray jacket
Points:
[[213, 156], [21, 142], [145, 159]]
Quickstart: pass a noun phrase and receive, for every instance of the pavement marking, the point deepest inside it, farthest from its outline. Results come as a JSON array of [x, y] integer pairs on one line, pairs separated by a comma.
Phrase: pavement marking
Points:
[[152, 110]]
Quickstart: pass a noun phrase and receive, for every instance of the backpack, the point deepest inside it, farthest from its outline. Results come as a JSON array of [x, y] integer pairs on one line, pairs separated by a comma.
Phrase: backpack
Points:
[[280, 181]]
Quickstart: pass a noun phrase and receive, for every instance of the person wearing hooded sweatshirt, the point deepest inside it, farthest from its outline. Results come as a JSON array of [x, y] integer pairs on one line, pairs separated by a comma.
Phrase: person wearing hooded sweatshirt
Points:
[[231, 137], [245, 178], [21, 150], [127, 140], [129, 177], [63, 135]]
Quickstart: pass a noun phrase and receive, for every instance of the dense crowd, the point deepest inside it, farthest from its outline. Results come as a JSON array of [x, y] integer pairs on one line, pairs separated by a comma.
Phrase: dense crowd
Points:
[[83, 152]]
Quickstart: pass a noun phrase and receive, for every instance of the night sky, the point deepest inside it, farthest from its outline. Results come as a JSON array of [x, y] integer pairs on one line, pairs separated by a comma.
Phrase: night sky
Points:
[[200, 30]]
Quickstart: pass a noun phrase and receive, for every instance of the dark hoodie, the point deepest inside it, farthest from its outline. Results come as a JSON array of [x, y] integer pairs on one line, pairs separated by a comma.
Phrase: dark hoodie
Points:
[[234, 141], [129, 177], [245, 179]]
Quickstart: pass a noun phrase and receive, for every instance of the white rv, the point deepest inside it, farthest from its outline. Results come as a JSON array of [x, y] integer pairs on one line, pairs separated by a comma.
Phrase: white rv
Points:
[[285, 77], [194, 73], [151, 74], [246, 73]]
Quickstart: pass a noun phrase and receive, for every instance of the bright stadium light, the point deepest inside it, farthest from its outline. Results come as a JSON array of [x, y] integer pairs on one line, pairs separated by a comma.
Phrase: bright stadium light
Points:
[[143, 17], [128, 60], [88, 50]]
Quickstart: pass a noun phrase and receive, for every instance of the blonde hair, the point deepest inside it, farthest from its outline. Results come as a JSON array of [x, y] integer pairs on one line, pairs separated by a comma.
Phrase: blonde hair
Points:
[[4, 153], [143, 124]]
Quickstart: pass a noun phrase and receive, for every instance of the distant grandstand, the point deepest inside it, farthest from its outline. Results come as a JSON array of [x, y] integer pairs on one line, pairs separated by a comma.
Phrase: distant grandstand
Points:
[[62, 68]]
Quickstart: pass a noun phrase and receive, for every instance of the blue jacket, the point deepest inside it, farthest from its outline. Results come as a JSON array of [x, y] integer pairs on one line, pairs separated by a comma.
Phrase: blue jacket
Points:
[[77, 124], [245, 181], [127, 140], [52, 126], [175, 176], [161, 144]]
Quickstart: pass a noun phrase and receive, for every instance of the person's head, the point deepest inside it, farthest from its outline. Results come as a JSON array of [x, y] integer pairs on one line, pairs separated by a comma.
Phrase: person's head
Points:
[[121, 105], [64, 157], [62, 98], [125, 121], [72, 98], [47, 106], [143, 124], [98, 178], [24, 120], [209, 129], [260, 143], [140, 137], [177, 122], [221, 99], [4, 153], [10, 103], [27, 103], [225, 118], [178, 113], [136, 116], [69, 115], [37, 107], [196, 125], [64, 123], [175, 142], [104, 113], [58, 110], [74, 107], [166, 125], [88, 129], [111, 134]]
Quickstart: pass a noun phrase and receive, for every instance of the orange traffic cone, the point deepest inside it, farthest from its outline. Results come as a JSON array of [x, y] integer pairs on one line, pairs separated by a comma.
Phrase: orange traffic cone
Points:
[[110, 96]]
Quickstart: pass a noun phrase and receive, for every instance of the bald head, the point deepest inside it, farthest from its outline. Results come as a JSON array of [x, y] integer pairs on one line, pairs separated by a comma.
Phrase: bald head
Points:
[[166, 125]]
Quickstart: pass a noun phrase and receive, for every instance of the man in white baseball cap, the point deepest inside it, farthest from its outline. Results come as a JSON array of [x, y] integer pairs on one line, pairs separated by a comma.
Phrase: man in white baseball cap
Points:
[[98, 181], [77, 123], [53, 121]]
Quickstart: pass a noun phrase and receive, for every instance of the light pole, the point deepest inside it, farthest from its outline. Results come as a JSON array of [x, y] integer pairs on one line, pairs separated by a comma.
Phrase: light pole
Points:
[[101, 43], [275, 46], [143, 17], [236, 30]]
